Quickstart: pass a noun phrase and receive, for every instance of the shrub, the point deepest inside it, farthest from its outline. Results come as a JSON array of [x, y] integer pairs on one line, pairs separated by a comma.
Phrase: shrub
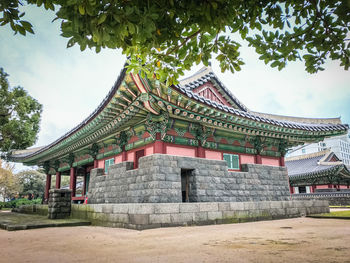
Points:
[[18, 202]]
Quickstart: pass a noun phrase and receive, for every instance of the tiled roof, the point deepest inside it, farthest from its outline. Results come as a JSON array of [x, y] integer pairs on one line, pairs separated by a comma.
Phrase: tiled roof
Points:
[[186, 86], [305, 166], [313, 165], [203, 76], [287, 124]]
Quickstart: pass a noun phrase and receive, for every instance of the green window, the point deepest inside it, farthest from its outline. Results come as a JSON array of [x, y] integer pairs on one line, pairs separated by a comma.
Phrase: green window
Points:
[[108, 162], [232, 161]]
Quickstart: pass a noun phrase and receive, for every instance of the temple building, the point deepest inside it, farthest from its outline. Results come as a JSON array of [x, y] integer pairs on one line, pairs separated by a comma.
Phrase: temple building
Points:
[[198, 118], [317, 172]]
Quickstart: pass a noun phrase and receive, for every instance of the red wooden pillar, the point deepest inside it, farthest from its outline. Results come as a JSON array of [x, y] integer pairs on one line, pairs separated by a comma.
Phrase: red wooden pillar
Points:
[[258, 159], [314, 188], [47, 188], [282, 163], [58, 180], [124, 155], [200, 152], [291, 189], [72, 182], [159, 146], [95, 163]]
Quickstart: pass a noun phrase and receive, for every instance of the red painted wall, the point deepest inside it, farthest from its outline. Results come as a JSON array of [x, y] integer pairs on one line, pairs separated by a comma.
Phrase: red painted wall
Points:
[[180, 151], [118, 158], [190, 151], [273, 161], [247, 158], [213, 155]]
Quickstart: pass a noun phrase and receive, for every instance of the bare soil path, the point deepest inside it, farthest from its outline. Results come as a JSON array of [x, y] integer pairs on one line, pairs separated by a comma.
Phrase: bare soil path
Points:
[[289, 240]]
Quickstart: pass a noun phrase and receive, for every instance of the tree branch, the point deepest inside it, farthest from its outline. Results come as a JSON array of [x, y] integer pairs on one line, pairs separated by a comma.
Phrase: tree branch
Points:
[[183, 42]]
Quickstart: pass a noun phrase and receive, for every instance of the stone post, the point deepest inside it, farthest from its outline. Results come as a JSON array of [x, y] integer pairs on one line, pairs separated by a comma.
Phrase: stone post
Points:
[[59, 203]]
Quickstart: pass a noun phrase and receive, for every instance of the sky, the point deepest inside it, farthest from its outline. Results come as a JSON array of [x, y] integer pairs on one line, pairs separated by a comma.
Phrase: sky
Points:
[[71, 84]]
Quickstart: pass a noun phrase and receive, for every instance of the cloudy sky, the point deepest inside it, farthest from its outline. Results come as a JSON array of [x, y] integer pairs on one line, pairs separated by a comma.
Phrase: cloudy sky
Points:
[[70, 84]]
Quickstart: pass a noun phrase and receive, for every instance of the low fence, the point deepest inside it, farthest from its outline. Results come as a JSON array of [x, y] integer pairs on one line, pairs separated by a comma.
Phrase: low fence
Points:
[[334, 198]]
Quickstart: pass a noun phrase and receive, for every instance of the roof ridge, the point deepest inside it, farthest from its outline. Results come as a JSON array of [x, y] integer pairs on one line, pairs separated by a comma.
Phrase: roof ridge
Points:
[[308, 120], [308, 156]]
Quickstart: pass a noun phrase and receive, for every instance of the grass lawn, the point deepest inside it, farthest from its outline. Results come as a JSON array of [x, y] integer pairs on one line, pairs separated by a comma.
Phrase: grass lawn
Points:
[[5, 209], [336, 214]]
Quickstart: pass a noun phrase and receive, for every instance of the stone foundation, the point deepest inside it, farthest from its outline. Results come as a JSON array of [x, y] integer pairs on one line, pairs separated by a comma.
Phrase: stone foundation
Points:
[[145, 216], [158, 180], [59, 203]]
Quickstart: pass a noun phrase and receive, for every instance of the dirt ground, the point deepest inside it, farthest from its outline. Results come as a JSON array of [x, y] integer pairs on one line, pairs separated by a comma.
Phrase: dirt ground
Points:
[[289, 240]]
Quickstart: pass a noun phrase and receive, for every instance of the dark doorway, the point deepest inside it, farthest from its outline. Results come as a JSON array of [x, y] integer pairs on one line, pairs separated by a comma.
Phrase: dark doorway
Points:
[[185, 184], [302, 189], [138, 155]]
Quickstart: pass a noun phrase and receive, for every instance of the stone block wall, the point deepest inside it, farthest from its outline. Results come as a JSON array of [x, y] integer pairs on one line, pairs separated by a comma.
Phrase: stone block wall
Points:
[[154, 215], [59, 205], [158, 180], [334, 198], [32, 209]]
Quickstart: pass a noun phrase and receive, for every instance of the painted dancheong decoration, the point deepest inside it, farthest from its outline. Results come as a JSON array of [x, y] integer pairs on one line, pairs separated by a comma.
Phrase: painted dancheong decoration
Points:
[[199, 117]]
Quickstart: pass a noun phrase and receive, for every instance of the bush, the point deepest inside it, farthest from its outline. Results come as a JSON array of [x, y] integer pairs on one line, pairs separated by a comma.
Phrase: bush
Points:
[[18, 202]]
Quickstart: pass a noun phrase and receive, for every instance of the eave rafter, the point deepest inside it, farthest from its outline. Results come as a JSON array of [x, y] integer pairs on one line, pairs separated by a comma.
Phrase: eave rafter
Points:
[[112, 127], [123, 105]]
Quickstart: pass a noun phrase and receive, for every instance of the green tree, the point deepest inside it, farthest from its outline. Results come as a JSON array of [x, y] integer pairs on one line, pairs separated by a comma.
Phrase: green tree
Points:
[[166, 37], [32, 183], [9, 184], [19, 116]]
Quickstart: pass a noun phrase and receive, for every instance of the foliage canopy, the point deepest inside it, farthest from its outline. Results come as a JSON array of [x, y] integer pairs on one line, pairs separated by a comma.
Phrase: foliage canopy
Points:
[[32, 182], [9, 184], [167, 36], [19, 116]]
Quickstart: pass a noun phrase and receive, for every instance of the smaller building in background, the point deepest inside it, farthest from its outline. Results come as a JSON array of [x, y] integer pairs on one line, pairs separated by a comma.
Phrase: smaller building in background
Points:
[[340, 145], [317, 172]]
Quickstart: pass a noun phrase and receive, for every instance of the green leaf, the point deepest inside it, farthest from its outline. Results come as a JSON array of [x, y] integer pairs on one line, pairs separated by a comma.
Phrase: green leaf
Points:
[[27, 26], [81, 9], [275, 64], [21, 30], [102, 18]]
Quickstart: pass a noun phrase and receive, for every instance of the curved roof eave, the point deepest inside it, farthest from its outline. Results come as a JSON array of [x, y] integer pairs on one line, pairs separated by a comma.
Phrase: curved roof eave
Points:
[[250, 115], [93, 115]]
